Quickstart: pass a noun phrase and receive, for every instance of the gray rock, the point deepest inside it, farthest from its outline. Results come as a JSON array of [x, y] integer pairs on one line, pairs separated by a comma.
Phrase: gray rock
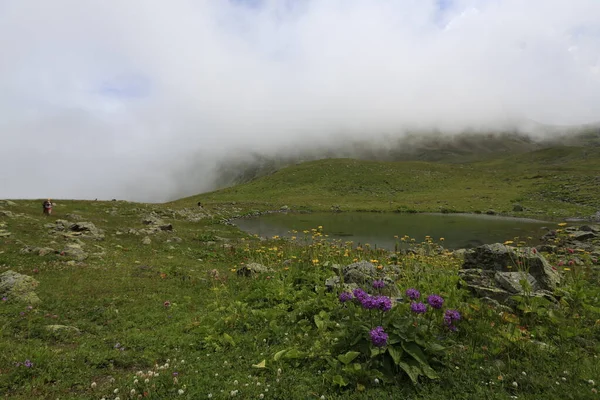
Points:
[[518, 208], [146, 240], [74, 251], [87, 229], [7, 203], [502, 258], [590, 228], [253, 269], [15, 286], [361, 273], [6, 213], [583, 235], [511, 281], [74, 217]]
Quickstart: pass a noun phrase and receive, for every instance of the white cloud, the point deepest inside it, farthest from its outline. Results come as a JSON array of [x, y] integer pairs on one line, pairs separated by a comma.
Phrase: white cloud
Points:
[[113, 98]]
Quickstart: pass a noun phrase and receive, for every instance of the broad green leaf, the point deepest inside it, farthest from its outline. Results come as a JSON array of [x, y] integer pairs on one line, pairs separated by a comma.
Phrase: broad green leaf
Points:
[[279, 354], [294, 353], [338, 380], [262, 364], [415, 351], [429, 372], [348, 357], [319, 322], [411, 367], [396, 354]]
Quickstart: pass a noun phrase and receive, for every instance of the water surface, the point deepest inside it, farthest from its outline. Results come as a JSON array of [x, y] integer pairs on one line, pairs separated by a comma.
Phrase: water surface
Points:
[[379, 229]]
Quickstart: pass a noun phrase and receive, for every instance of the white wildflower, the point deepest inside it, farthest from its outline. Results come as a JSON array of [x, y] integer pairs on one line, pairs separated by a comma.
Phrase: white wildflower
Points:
[[135, 382], [591, 382], [146, 380], [93, 385], [132, 392], [261, 396], [180, 391], [235, 382], [515, 384], [116, 391], [524, 373], [376, 381]]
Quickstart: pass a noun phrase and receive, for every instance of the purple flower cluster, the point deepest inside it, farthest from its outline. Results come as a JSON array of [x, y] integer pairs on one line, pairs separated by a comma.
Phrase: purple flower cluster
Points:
[[378, 337], [369, 302], [413, 294], [418, 308], [435, 301], [345, 296], [378, 284], [450, 316]]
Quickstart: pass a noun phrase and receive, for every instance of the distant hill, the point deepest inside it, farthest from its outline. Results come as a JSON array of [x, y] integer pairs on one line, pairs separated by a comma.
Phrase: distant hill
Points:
[[431, 147]]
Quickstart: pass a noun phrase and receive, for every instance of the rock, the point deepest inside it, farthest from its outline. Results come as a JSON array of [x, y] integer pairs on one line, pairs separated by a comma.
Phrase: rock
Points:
[[43, 251], [496, 271], [582, 235], [253, 269], [497, 257], [284, 208], [15, 286], [146, 240], [74, 251], [491, 212], [165, 227], [460, 253], [6, 213], [590, 228], [7, 203], [361, 273], [87, 229], [74, 217], [63, 329], [518, 208]]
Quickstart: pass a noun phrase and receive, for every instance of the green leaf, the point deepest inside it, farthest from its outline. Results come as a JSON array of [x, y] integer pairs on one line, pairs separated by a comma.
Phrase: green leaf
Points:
[[429, 372], [229, 339], [278, 355], [294, 353], [411, 367], [262, 364], [319, 322], [338, 380], [415, 351], [348, 357], [396, 354]]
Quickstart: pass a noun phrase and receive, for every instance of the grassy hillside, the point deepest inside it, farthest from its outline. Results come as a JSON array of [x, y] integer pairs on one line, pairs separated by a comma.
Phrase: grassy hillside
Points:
[[559, 181]]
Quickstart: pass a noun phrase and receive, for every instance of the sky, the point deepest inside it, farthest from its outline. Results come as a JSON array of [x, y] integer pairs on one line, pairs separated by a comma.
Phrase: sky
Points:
[[119, 99]]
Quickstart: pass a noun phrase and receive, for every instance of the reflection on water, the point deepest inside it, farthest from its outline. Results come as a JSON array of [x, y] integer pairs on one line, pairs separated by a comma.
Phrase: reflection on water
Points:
[[379, 229]]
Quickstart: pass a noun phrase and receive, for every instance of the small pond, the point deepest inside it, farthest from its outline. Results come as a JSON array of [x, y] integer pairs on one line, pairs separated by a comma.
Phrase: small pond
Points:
[[379, 229]]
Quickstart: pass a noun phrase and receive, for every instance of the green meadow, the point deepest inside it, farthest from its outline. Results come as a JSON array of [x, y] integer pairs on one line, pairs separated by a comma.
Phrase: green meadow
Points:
[[161, 302]]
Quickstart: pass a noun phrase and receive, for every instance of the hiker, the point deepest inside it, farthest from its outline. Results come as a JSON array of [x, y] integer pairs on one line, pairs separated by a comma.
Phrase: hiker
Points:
[[47, 207]]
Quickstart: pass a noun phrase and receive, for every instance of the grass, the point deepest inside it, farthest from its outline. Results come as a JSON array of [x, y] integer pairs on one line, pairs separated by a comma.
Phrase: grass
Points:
[[177, 311], [554, 183]]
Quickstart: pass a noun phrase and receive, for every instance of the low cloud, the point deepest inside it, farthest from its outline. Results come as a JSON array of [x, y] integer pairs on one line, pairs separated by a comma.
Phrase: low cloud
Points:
[[141, 100]]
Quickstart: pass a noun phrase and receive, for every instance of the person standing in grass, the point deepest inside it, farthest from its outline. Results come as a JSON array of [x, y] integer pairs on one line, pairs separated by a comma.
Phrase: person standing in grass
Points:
[[47, 207]]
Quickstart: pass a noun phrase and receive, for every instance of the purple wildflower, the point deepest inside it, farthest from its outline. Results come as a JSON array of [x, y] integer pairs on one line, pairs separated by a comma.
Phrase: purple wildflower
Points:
[[418, 308], [369, 302], [360, 294], [378, 337], [435, 301], [175, 373], [379, 284], [450, 316], [413, 294], [4, 299], [28, 364], [383, 303], [345, 296]]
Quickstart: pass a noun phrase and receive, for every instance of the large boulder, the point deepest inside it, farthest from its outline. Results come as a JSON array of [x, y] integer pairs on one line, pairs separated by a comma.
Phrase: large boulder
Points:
[[503, 258], [19, 287], [498, 272]]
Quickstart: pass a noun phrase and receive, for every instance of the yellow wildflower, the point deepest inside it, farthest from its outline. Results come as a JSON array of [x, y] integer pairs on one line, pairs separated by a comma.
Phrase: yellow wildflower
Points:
[[508, 242], [562, 224]]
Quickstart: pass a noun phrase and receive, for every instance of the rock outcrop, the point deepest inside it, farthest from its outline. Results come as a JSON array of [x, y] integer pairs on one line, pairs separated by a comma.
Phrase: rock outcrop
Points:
[[19, 287], [498, 271]]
